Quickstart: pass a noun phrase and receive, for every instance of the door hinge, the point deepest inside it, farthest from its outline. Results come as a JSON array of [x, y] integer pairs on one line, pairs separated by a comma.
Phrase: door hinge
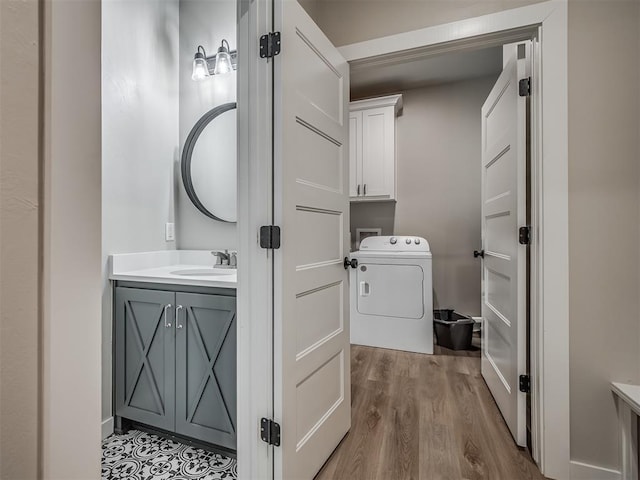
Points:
[[524, 235], [525, 384], [270, 432], [524, 87], [270, 45], [270, 237]]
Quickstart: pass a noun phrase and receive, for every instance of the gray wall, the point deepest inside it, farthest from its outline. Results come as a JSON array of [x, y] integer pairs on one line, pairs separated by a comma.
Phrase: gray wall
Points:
[[604, 208], [351, 21], [139, 137], [206, 23], [438, 176], [604, 186]]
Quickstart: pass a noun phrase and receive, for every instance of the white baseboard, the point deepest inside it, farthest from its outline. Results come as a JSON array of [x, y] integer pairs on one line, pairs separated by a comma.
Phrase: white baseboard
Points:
[[107, 427], [584, 471]]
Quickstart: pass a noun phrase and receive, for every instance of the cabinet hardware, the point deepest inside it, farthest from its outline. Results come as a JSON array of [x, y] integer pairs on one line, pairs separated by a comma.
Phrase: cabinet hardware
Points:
[[178, 308], [365, 189], [166, 307], [524, 235], [358, 189], [477, 253], [524, 383]]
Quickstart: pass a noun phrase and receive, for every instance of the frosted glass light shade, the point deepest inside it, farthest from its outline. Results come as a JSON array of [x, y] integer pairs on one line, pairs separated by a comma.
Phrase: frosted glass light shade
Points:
[[200, 69], [223, 62]]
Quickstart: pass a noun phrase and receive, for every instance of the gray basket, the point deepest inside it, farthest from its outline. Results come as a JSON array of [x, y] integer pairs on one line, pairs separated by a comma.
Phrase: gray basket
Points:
[[455, 334]]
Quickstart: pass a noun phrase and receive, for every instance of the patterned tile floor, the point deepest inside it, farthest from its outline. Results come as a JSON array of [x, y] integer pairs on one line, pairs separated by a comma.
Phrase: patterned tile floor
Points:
[[138, 455]]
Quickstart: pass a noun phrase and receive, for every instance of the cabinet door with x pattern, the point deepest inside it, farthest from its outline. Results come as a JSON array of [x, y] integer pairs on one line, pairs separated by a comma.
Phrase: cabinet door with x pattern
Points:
[[145, 356], [206, 368]]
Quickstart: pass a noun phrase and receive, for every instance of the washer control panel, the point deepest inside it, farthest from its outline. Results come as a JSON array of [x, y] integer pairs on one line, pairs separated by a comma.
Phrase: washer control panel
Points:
[[395, 243]]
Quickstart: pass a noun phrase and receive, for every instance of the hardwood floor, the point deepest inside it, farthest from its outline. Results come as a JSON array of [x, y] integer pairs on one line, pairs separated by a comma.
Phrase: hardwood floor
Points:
[[426, 417]]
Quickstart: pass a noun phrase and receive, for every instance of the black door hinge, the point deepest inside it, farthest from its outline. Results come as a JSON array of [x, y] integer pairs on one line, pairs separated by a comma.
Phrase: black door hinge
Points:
[[524, 235], [270, 45], [270, 432], [524, 87], [525, 384], [270, 237]]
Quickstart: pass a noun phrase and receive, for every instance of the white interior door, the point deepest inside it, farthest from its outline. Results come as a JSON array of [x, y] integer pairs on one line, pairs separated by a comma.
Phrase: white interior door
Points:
[[312, 398], [504, 265]]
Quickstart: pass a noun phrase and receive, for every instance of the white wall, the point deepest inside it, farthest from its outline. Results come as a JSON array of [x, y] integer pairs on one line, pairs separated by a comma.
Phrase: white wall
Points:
[[71, 250], [20, 209], [139, 137], [206, 23], [438, 177], [351, 21]]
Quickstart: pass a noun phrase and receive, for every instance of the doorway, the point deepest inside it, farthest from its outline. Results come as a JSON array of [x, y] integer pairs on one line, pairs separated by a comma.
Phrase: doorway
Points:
[[444, 182]]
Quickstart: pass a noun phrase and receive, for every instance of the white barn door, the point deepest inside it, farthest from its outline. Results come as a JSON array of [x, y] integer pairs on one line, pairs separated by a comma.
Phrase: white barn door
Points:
[[504, 265], [312, 400]]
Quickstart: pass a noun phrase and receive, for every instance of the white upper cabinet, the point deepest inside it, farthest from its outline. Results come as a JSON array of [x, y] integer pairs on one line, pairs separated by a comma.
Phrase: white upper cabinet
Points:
[[372, 148]]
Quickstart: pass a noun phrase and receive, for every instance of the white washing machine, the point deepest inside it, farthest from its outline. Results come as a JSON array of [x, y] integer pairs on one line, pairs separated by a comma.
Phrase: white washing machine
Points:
[[391, 296]]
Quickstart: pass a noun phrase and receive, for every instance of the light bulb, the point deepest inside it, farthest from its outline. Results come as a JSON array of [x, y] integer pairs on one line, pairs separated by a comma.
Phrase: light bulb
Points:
[[223, 62], [200, 69]]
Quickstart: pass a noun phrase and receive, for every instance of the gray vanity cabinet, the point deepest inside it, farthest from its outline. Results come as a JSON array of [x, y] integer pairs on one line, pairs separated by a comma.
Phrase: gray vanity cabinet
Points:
[[206, 368], [175, 362], [145, 356]]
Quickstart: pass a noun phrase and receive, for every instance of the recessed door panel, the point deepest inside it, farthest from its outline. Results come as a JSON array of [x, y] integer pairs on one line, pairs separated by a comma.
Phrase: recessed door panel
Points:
[[320, 313], [321, 166]]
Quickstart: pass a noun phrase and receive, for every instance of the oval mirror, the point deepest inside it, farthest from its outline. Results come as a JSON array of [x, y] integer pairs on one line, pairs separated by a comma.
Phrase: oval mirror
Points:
[[209, 163]]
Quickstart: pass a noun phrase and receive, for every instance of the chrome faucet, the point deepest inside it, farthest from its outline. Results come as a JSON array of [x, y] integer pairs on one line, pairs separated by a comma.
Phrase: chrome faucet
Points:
[[225, 259]]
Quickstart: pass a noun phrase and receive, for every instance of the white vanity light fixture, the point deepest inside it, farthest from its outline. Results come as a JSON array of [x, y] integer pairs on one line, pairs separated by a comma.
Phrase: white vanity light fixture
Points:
[[224, 61]]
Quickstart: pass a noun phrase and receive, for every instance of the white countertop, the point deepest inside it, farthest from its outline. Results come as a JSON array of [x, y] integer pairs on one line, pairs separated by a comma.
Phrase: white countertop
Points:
[[162, 267], [629, 393]]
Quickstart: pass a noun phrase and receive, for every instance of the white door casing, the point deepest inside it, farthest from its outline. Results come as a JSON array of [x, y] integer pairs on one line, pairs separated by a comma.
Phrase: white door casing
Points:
[[312, 398], [504, 264]]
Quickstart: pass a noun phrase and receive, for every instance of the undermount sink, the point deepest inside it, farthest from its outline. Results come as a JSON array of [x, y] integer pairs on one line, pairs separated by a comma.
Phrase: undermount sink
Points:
[[204, 272]]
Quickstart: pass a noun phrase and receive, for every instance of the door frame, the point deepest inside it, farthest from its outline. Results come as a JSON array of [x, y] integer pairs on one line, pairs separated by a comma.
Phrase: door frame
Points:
[[545, 24], [256, 269]]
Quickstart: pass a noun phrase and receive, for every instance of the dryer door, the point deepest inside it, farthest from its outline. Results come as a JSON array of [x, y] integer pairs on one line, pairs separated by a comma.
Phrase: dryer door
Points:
[[390, 290]]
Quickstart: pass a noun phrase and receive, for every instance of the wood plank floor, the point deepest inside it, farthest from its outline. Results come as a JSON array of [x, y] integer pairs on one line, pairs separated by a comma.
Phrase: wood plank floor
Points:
[[428, 417]]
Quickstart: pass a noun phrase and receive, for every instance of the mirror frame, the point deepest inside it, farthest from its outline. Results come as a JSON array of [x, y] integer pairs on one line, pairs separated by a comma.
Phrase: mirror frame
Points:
[[189, 145]]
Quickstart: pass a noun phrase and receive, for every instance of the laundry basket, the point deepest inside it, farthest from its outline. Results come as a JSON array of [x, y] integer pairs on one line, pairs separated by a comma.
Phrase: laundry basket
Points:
[[456, 332]]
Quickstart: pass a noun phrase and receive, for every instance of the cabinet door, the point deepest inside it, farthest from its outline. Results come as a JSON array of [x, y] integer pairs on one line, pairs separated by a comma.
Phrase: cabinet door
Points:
[[355, 154], [378, 152], [145, 356], [206, 368]]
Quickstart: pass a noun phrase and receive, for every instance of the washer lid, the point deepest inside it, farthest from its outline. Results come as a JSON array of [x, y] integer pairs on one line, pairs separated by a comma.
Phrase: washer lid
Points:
[[394, 243]]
